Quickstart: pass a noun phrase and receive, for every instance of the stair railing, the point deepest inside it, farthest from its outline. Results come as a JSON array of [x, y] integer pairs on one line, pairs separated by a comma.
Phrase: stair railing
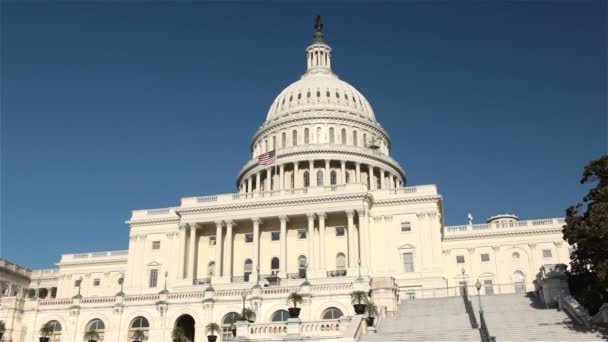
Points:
[[483, 330], [469, 307]]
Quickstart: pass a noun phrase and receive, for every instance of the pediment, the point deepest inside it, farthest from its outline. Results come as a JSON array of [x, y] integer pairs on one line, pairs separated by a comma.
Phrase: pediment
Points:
[[407, 246], [154, 263]]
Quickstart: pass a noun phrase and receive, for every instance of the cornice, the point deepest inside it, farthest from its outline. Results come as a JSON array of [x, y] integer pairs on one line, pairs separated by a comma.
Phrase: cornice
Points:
[[94, 262], [272, 203], [503, 233], [153, 221], [406, 200]]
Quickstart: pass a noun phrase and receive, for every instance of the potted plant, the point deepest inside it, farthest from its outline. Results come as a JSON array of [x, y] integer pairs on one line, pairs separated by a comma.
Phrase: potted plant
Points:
[[233, 329], [91, 335], [249, 315], [294, 298], [139, 336], [45, 331], [359, 298], [372, 312], [211, 329], [2, 329], [178, 334]]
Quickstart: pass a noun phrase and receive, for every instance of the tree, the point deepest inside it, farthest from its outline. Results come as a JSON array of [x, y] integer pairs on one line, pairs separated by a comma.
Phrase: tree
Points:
[[587, 230]]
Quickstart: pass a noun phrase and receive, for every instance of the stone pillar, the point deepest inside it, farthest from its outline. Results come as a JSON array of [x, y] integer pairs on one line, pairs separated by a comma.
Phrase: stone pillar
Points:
[[182, 252], [363, 238], [282, 177], [358, 172], [256, 248], [311, 240], [249, 185], [218, 248], [352, 239], [343, 172], [382, 180], [228, 251], [258, 182], [296, 176], [372, 178], [313, 177], [326, 178], [322, 264], [269, 179], [283, 242], [192, 251]]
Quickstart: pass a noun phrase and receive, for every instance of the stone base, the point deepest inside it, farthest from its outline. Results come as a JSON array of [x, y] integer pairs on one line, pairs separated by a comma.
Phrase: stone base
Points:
[[220, 280], [293, 326]]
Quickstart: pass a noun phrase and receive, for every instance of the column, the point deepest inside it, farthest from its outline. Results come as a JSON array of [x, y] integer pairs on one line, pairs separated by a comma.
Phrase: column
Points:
[[313, 177], [283, 242], [191, 251], [393, 182], [269, 179], [181, 258], [372, 180], [311, 240], [218, 248], [249, 184], [352, 261], [321, 262], [256, 248], [282, 177], [343, 171], [258, 182], [382, 181], [358, 172], [363, 238], [228, 251], [296, 177], [326, 178]]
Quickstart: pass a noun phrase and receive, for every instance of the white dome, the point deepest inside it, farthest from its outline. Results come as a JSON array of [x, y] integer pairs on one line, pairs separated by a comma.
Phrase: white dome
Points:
[[320, 90]]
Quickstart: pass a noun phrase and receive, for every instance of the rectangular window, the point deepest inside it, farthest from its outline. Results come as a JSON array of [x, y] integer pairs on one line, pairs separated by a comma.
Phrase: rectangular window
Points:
[[77, 282], [489, 287], [408, 262], [339, 231], [248, 237], [96, 282], [460, 259], [153, 278], [302, 234], [212, 241], [155, 244], [485, 257], [275, 236], [406, 227], [547, 253]]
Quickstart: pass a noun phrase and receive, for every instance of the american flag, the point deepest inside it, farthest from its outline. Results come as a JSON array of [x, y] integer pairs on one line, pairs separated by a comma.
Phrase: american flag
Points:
[[267, 158]]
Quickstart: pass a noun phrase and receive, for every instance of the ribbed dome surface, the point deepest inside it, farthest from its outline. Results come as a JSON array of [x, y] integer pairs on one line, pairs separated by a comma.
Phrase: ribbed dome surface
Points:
[[320, 91]]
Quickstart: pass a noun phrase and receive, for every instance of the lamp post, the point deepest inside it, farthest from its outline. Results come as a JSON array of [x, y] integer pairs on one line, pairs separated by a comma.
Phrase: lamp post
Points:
[[305, 283], [464, 282], [244, 296], [478, 287]]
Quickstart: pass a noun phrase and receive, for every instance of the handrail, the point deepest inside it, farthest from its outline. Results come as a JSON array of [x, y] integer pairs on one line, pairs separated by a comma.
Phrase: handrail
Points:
[[574, 309], [483, 330], [469, 307]]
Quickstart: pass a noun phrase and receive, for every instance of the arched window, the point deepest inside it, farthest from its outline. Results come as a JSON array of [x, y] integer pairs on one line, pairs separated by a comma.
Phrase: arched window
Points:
[[302, 266], [279, 316], [331, 135], [331, 313], [332, 178], [306, 179], [139, 323], [55, 331], [355, 142], [227, 322], [364, 140], [211, 269], [248, 268], [319, 178], [266, 145], [306, 136], [97, 325], [340, 262], [519, 281], [294, 138], [515, 256], [319, 135], [343, 136], [274, 265], [283, 140]]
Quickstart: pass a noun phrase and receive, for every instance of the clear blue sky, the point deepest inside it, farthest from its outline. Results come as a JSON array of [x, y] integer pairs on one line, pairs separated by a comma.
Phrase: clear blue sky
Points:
[[112, 107]]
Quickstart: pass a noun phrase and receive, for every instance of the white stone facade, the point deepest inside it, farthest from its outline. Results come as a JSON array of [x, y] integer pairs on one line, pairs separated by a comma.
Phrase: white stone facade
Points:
[[334, 206]]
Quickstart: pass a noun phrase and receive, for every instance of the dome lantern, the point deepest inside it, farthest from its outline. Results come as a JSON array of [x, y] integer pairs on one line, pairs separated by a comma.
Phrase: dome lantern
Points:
[[318, 54]]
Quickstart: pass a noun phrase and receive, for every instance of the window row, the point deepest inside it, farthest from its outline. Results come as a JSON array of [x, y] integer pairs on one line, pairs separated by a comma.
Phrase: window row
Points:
[[485, 257]]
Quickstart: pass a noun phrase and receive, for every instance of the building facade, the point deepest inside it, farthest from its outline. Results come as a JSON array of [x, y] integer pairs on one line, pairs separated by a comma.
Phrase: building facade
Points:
[[321, 208]]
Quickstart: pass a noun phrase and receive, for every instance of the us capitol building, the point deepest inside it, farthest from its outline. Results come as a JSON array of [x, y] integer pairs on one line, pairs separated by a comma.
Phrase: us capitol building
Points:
[[321, 208]]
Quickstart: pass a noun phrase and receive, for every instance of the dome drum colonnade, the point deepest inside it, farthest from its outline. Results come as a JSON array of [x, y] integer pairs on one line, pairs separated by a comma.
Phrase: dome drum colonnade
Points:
[[324, 132]]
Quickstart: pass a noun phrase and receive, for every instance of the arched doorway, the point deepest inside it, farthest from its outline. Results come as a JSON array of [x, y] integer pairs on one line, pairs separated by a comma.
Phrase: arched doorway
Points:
[[519, 281], [186, 322]]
